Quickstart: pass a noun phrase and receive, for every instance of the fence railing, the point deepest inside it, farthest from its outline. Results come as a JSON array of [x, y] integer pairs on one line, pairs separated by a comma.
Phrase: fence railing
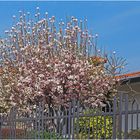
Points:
[[112, 121]]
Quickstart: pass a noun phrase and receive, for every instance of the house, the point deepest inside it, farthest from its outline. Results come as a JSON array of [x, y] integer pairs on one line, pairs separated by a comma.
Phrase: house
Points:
[[130, 84]]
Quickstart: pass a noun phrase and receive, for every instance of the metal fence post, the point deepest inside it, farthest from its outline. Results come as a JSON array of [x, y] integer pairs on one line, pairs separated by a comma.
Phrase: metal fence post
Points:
[[77, 124], [36, 124], [120, 116], [137, 120], [126, 116], [69, 121], [12, 123], [114, 118], [73, 119], [42, 119], [39, 120]]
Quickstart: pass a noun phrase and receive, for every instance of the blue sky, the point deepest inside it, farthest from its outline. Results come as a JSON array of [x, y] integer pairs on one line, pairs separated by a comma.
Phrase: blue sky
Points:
[[117, 23]]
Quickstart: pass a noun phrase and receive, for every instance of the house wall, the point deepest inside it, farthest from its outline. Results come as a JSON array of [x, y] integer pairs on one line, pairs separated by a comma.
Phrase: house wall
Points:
[[133, 91]]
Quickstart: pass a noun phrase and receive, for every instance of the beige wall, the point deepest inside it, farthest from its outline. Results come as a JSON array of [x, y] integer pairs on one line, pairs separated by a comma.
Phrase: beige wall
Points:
[[132, 89]]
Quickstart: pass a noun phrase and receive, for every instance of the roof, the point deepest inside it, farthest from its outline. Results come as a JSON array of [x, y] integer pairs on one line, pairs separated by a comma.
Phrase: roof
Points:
[[129, 75], [128, 79]]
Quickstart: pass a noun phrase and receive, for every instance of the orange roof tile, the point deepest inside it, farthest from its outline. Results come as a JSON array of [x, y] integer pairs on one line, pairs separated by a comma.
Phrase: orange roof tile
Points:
[[134, 74]]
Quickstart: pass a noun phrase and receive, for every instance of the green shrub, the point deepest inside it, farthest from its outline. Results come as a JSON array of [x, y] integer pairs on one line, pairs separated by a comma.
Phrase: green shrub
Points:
[[134, 134], [43, 135], [99, 127]]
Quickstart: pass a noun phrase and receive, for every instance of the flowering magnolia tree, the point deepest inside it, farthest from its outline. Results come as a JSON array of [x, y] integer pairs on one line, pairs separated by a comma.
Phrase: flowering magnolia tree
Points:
[[41, 61]]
